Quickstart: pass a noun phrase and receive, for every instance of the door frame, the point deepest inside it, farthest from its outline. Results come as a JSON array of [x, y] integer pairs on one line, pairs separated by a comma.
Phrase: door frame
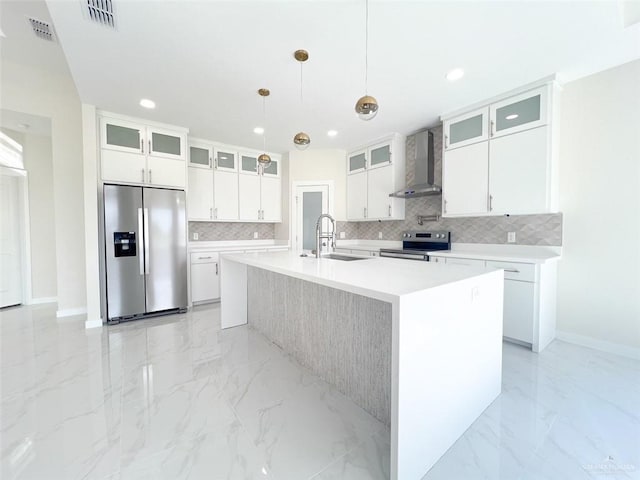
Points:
[[293, 211], [24, 221]]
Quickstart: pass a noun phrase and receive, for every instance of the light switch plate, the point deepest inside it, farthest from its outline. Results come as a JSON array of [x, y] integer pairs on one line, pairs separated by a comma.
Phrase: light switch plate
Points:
[[380, 235], [343, 235], [195, 235], [255, 235], [511, 237]]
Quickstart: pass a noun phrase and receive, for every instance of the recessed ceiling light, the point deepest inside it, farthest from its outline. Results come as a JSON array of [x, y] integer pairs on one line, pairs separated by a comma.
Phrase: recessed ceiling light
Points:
[[455, 74], [146, 103], [332, 133], [513, 116], [258, 130]]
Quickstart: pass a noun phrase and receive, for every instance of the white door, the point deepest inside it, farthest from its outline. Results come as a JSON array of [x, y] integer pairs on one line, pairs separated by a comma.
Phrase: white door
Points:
[[166, 172], [122, 136], [10, 253], [225, 194], [357, 196], [205, 282], [518, 172], [465, 180], [166, 143], [518, 113], [466, 129], [271, 199], [200, 194], [249, 195], [123, 167], [311, 202], [379, 185], [519, 305]]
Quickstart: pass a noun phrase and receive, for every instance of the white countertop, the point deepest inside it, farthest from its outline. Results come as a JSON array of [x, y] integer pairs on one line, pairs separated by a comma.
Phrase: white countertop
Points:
[[502, 253], [382, 278], [227, 245]]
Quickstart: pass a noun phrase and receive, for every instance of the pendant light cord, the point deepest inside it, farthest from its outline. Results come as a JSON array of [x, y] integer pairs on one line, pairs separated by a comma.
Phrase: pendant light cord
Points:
[[366, 49], [264, 117]]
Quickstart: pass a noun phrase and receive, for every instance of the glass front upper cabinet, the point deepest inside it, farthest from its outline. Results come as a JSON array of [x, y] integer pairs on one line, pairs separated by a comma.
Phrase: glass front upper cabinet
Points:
[[226, 160], [199, 156], [521, 112], [165, 143], [249, 163], [357, 162], [466, 129], [271, 170], [380, 155], [122, 136]]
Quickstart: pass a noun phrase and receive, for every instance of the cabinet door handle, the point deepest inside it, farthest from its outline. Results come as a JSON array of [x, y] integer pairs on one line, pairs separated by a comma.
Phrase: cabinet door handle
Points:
[[211, 212], [446, 141], [216, 269], [365, 212], [210, 161], [512, 270], [141, 146], [490, 203], [445, 206], [150, 181], [149, 146], [389, 210], [215, 163], [142, 172], [215, 213], [204, 258], [491, 124]]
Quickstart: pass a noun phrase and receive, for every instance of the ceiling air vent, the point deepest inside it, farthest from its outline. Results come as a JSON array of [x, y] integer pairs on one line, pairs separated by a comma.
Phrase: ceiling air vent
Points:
[[41, 29], [101, 11]]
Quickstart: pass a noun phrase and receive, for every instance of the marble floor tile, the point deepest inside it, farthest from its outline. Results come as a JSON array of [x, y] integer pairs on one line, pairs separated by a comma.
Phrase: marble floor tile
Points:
[[177, 398]]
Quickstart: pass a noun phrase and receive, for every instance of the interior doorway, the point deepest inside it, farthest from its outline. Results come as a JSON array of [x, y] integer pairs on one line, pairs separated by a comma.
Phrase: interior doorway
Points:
[[311, 199]]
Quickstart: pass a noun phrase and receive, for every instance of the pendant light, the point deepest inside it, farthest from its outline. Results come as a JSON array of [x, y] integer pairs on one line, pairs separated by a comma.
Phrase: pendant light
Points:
[[301, 140], [264, 160], [367, 106]]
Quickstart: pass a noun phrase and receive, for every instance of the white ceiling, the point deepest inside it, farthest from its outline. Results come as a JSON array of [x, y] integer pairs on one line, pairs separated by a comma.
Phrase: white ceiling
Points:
[[202, 61]]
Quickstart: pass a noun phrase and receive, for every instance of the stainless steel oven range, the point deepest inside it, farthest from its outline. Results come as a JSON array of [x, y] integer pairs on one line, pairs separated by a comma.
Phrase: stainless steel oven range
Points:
[[416, 244]]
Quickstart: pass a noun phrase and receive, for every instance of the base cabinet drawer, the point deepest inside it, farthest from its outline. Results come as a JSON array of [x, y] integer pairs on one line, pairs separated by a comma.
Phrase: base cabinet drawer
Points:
[[205, 282], [519, 309], [469, 262]]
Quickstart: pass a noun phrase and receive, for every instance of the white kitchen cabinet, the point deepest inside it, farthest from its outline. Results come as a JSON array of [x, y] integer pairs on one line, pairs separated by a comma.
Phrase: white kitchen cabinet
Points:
[[200, 194], [373, 172], [465, 180], [226, 195], [270, 198], [529, 315], [466, 129], [205, 277], [518, 312], [357, 196], [520, 112], [134, 152], [249, 189], [508, 170], [249, 163], [518, 173], [226, 159]]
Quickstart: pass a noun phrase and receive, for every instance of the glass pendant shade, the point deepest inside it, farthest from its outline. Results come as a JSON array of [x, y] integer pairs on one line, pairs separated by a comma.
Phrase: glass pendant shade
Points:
[[367, 107], [301, 141], [264, 160]]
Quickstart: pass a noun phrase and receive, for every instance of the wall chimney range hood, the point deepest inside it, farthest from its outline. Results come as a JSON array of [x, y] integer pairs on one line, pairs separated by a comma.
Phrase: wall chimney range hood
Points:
[[423, 169]]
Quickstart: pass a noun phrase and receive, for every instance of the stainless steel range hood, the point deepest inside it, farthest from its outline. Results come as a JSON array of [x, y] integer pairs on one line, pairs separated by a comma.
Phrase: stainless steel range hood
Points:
[[423, 169]]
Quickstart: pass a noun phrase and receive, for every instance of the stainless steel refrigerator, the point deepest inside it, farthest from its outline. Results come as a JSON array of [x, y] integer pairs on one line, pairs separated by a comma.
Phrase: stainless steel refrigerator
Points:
[[146, 251]]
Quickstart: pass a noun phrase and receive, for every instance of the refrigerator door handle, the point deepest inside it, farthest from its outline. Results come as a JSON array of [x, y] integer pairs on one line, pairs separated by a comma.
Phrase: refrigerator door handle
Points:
[[146, 241], [142, 236]]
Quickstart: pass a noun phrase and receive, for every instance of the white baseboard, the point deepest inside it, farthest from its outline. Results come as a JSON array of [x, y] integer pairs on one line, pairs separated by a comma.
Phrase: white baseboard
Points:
[[93, 323], [603, 346], [36, 301], [69, 312]]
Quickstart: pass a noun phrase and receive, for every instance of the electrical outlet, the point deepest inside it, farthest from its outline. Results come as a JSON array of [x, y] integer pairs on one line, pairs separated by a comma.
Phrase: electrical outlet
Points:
[[195, 235], [343, 235], [511, 237], [255, 235], [379, 235]]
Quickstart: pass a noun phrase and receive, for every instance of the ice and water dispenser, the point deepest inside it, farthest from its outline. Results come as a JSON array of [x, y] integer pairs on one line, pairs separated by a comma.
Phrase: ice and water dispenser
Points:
[[124, 244]]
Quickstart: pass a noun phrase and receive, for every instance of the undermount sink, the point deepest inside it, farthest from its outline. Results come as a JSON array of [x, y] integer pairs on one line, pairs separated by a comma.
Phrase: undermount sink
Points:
[[344, 258]]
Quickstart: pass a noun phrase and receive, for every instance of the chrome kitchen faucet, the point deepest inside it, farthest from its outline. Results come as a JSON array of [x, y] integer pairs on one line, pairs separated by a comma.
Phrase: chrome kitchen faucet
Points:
[[325, 235]]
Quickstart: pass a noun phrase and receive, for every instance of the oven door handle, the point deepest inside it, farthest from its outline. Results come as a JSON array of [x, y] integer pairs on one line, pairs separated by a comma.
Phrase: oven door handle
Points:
[[406, 256]]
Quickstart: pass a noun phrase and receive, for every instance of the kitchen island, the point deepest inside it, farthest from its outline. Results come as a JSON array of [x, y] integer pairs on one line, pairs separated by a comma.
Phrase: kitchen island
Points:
[[418, 345]]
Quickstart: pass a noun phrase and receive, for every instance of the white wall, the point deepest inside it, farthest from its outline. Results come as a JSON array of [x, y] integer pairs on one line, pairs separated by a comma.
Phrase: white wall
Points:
[[45, 93], [282, 228], [599, 275], [323, 164]]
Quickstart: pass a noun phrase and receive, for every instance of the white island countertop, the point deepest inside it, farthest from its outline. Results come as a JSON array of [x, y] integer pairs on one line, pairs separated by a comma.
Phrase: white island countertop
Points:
[[382, 278], [502, 253]]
